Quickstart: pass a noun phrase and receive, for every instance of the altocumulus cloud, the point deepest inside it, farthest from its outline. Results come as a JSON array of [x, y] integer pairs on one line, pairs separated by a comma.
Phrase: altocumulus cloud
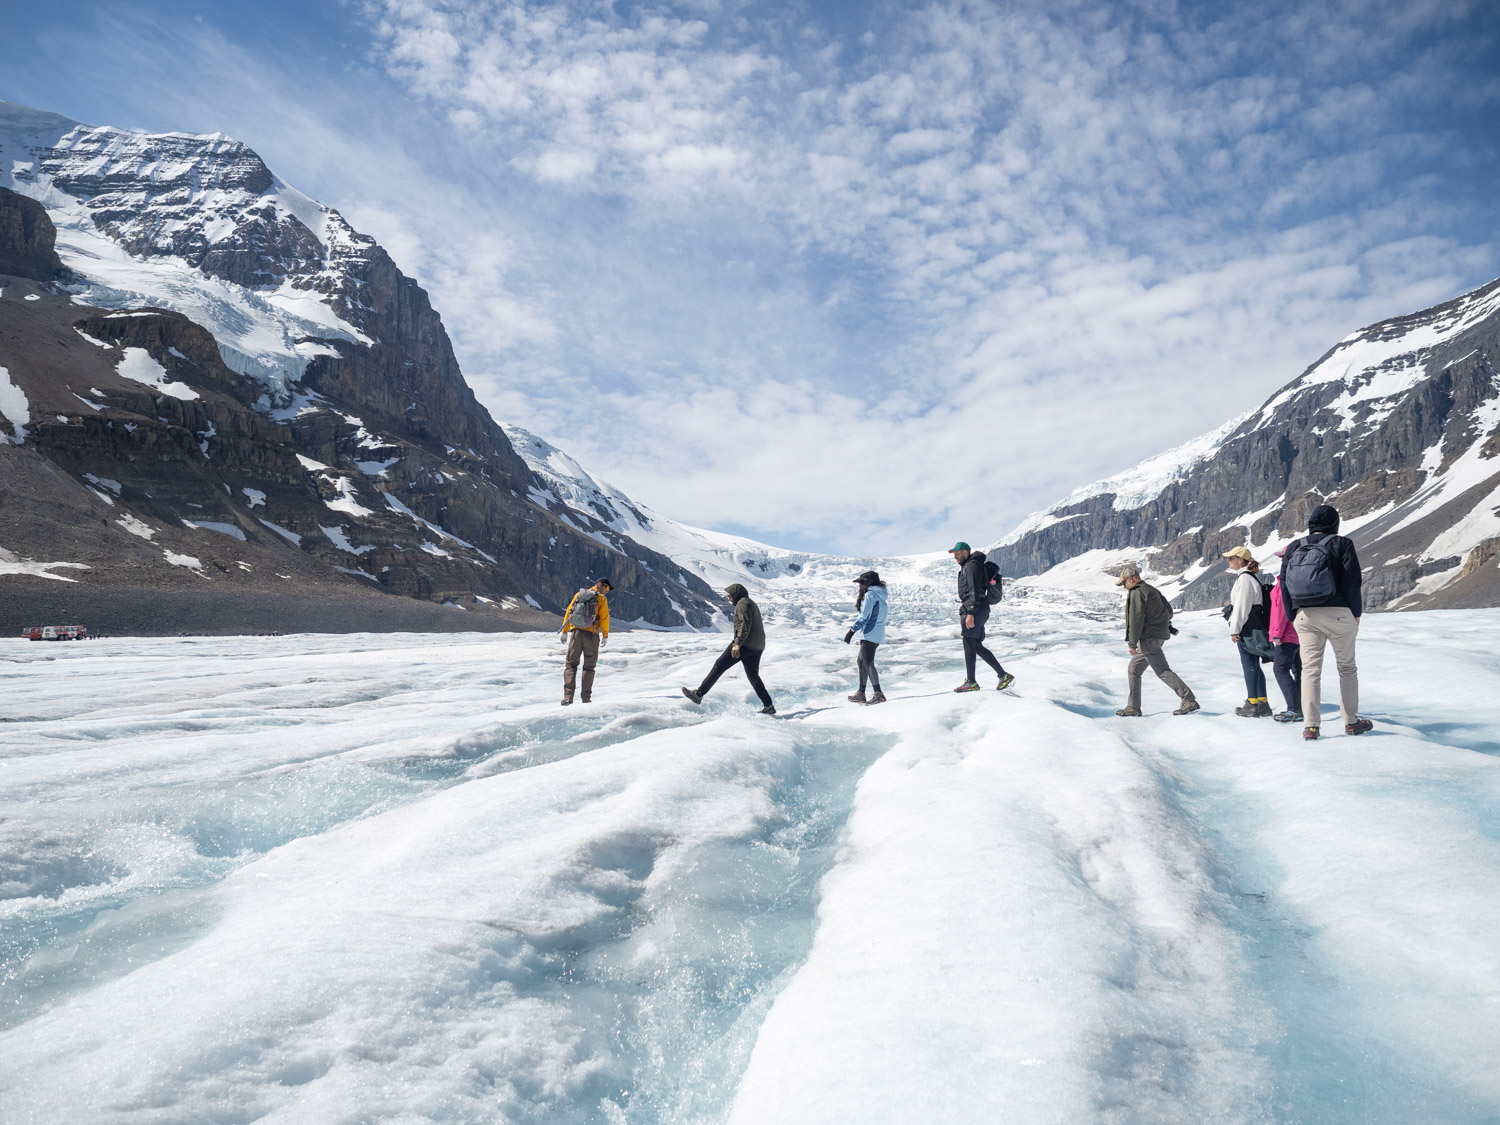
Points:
[[867, 277], [866, 281]]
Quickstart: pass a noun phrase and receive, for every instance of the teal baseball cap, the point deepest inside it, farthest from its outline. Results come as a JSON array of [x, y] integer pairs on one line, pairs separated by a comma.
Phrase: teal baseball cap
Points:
[[959, 546]]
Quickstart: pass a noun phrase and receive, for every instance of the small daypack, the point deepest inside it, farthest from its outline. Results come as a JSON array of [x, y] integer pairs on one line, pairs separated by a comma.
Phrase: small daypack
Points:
[[994, 585], [585, 611], [1255, 633], [1309, 572], [1260, 613]]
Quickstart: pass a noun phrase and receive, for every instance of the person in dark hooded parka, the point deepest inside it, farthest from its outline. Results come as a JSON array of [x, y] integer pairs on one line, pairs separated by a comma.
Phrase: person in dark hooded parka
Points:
[[746, 648], [1321, 592]]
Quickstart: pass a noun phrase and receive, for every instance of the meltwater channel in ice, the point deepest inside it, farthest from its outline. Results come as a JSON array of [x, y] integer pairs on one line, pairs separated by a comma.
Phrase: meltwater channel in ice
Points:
[[388, 878]]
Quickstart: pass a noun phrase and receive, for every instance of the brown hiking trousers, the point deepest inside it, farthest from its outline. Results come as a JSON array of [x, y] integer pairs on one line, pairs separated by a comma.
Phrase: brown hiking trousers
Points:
[[582, 645], [1148, 654]]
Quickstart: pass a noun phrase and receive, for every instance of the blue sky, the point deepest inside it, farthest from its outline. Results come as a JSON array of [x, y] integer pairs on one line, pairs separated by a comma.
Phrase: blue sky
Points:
[[859, 277]]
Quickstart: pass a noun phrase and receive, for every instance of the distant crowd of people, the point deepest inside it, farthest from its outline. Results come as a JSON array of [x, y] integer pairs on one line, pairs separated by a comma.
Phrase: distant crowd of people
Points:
[[1313, 603]]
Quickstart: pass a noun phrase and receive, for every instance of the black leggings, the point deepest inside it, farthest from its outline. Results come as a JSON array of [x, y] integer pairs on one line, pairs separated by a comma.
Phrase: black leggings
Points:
[[974, 647], [867, 665], [750, 658]]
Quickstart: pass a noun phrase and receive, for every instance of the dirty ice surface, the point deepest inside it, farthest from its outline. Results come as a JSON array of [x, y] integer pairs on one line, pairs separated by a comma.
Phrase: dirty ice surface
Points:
[[388, 878]]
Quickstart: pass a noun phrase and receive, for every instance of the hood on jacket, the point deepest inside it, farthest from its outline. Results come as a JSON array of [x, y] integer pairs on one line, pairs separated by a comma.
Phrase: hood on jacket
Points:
[[736, 592], [1324, 520], [976, 556]]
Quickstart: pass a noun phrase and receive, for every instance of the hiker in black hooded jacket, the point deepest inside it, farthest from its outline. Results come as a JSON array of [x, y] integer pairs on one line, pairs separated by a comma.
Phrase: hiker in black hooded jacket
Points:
[[1331, 619], [1348, 578], [973, 613]]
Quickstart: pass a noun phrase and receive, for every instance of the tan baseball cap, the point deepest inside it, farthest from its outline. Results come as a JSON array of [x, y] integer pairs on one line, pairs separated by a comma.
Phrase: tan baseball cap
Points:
[[1128, 571], [1239, 553]]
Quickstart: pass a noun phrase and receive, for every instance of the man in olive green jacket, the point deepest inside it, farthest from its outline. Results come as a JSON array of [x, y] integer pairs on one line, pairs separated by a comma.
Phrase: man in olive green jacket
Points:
[[1148, 625], [746, 648]]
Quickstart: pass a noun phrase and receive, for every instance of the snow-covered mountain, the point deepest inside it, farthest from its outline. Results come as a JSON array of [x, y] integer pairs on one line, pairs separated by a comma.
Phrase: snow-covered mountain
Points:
[[269, 398], [792, 587], [197, 224], [1397, 425], [605, 513]]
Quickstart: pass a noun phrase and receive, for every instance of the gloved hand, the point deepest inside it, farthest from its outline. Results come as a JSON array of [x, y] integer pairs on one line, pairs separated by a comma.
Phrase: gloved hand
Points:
[[604, 640], [849, 636]]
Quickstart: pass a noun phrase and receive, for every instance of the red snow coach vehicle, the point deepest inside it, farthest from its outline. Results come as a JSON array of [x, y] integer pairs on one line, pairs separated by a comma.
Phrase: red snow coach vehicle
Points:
[[55, 633]]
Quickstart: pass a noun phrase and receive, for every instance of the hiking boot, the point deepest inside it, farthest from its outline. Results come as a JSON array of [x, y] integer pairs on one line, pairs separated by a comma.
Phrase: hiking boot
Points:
[[1263, 709], [768, 709], [1288, 717], [1358, 726], [1188, 707], [1129, 712], [695, 696], [1245, 710], [858, 697], [878, 697], [567, 701], [967, 685], [1005, 682], [585, 699], [1310, 734]]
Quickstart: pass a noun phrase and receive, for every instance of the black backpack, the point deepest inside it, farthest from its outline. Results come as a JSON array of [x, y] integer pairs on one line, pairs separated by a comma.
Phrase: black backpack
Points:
[[1260, 613], [994, 585], [1310, 579], [1255, 633]]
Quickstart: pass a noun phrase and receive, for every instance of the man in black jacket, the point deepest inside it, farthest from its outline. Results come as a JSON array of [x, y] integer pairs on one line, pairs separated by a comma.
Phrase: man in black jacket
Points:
[[745, 648], [1320, 589], [974, 611]]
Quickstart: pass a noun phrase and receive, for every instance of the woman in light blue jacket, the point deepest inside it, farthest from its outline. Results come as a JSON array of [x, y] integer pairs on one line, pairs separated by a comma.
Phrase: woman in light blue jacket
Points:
[[870, 625]]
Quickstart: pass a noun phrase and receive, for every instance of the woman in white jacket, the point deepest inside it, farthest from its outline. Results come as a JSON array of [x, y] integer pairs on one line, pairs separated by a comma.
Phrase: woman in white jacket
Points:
[[1247, 602]]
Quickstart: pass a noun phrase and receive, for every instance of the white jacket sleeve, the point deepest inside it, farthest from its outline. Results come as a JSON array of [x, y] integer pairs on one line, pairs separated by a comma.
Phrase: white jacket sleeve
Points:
[[1242, 599]]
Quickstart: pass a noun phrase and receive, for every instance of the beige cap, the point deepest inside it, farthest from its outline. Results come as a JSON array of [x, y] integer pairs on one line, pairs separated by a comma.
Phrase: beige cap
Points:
[[1240, 553], [1128, 571]]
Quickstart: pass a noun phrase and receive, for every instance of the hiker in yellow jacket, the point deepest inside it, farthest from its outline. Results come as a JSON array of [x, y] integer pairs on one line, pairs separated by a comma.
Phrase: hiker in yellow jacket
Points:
[[586, 627]]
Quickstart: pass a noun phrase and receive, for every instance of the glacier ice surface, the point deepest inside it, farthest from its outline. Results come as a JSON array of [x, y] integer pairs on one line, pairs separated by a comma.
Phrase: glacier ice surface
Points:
[[388, 878]]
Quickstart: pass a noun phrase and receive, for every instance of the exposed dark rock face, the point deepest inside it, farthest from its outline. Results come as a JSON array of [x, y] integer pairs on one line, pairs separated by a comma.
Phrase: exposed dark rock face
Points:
[[28, 240], [1398, 427], [366, 449]]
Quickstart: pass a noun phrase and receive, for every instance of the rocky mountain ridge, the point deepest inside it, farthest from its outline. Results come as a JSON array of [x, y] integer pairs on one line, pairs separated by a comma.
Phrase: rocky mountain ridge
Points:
[[265, 394], [1397, 425]]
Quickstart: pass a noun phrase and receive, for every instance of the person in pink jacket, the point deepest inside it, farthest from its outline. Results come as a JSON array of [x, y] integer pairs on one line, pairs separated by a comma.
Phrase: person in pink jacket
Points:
[[1288, 663]]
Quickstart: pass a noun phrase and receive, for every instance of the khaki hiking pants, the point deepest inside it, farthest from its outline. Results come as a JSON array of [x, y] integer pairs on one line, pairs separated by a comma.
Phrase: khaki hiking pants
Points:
[[1148, 654], [1335, 625], [582, 645]]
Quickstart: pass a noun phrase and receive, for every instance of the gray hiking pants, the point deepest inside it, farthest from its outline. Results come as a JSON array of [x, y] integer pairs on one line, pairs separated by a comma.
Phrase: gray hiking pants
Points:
[[582, 645], [1148, 654], [1335, 625]]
